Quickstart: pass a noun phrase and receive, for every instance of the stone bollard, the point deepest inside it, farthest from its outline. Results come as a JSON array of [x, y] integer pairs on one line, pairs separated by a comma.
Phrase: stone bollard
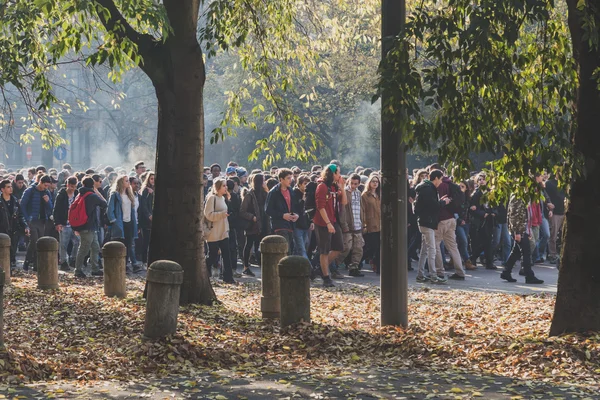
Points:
[[47, 263], [272, 248], [114, 254], [162, 306], [2, 277], [294, 289], [5, 255]]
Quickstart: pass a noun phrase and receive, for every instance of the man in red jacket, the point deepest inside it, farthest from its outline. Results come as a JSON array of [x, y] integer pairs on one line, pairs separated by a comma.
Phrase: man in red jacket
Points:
[[329, 197]]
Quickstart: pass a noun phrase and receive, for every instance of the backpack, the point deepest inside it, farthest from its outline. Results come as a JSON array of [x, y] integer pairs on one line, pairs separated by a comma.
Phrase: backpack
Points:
[[77, 213], [457, 196]]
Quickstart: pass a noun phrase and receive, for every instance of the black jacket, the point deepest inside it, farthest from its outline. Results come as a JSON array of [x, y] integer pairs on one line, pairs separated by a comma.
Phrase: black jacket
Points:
[[477, 216], [145, 210], [557, 196], [11, 223], [298, 208], [234, 205], [276, 206], [92, 203], [427, 205], [61, 207], [18, 193]]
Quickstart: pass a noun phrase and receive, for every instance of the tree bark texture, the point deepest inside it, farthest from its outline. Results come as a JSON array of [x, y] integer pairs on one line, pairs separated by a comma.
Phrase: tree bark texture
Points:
[[176, 69], [394, 286], [577, 306]]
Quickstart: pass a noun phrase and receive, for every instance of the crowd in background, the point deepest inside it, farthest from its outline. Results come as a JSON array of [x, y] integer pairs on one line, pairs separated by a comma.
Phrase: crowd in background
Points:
[[331, 218]]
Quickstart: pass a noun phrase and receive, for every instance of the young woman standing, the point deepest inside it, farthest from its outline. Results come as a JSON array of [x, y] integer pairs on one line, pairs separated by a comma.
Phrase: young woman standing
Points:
[[371, 219], [121, 213], [215, 210], [253, 211]]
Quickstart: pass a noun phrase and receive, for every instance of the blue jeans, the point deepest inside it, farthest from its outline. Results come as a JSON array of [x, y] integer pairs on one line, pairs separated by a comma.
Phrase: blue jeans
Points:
[[542, 244], [301, 242], [462, 239], [501, 235], [67, 235]]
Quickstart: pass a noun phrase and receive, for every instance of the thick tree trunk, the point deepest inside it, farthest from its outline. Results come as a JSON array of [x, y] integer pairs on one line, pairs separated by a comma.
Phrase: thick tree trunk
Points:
[[578, 302], [394, 274], [177, 72]]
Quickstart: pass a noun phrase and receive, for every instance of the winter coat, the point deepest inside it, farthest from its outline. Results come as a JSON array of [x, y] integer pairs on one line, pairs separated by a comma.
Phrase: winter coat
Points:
[[370, 212], [298, 207], [347, 216], [31, 201], [517, 216], [252, 207], [146, 208], [477, 216], [115, 217], [215, 210], [427, 205], [557, 196], [11, 223], [234, 205], [276, 206], [61, 207]]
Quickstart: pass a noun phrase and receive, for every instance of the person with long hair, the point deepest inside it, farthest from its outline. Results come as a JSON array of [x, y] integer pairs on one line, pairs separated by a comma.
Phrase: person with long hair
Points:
[[121, 214], [146, 219], [234, 203], [215, 211], [253, 211], [371, 220], [462, 228], [329, 198]]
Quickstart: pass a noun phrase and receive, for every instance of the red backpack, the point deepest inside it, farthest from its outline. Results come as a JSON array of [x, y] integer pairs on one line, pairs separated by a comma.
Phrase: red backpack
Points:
[[77, 214]]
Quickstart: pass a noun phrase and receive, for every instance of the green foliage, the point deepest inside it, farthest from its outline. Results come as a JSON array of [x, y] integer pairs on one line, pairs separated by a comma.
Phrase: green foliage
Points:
[[485, 76]]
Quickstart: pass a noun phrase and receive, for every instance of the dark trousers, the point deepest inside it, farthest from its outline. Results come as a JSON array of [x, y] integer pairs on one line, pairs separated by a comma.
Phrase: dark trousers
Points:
[[251, 241], [37, 229], [289, 237], [128, 240], [520, 250], [371, 250], [213, 256], [145, 244], [481, 240], [233, 248], [14, 243]]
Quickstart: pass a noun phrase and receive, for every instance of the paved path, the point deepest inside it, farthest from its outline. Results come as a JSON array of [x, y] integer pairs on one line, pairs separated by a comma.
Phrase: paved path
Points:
[[358, 384]]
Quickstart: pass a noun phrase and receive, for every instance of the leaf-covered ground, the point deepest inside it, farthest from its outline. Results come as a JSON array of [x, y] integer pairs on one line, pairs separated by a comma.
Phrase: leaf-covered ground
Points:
[[78, 333]]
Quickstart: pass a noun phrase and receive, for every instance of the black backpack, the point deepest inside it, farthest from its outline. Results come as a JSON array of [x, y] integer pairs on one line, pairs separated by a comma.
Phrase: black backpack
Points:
[[310, 204], [457, 196]]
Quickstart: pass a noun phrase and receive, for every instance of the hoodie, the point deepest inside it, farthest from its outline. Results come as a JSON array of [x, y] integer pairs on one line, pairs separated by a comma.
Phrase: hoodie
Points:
[[444, 190]]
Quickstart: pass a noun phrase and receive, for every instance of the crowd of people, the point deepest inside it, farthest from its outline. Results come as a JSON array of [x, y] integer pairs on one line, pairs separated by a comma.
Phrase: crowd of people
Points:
[[334, 220], [331, 218], [82, 210]]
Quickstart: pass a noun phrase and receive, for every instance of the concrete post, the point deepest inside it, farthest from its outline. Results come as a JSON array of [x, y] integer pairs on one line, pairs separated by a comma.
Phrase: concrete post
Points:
[[2, 278], [5, 255], [294, 289], [162, 306], [272, 248], [47, 263], [114, 255]]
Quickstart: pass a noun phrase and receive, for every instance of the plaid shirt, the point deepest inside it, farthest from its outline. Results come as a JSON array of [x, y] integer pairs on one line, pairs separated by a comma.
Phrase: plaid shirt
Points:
[[356, 210]]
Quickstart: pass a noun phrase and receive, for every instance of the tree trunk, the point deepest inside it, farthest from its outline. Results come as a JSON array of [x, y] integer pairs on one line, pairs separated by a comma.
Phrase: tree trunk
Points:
[[393, 264], [577, 306], [177, 72]]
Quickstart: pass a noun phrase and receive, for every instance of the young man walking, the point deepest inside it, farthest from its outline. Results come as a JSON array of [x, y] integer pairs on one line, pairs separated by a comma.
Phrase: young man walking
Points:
[[427, 210], [88, 233], [64, 199], [12, 221], [279, 207], [329, 197], [36, 206], [520, 227], [351, 225]]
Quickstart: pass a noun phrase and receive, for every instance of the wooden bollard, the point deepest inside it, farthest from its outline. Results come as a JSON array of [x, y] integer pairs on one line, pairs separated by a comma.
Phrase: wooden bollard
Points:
[[5, 256], [47, 263], [162, 304], [272, 248], [115, 278], [294, 289]]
